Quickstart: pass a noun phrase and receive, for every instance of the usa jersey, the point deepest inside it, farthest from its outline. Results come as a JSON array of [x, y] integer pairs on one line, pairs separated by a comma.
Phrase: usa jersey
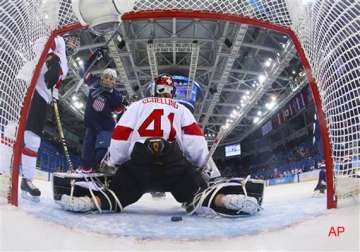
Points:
[[156, 117], [100, 105], [58, 47]]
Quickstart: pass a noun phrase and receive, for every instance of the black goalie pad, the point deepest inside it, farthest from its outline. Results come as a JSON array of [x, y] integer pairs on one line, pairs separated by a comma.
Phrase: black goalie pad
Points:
[[64, 181]]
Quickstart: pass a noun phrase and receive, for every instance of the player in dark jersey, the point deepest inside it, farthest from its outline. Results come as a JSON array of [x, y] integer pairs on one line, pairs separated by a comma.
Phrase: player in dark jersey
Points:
[[103, 103]]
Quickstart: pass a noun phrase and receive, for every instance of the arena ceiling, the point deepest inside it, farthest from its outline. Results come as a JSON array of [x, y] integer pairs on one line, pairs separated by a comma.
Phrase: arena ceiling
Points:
[[246, 73]]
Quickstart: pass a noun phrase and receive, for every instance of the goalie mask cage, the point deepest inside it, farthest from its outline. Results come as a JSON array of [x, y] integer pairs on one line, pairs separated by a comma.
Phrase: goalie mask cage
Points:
[[326, 35]]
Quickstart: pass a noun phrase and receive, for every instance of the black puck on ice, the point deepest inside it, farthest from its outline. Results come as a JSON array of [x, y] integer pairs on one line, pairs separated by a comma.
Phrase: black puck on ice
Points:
[[176, 218]]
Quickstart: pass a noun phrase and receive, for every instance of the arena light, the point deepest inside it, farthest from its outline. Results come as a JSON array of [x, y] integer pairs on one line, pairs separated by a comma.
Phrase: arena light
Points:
[[78, 105], [262, 78], [234, 114], [270, 105], [245, 97], [74, 98], [268, 62], [225, 126], [256, 119], [81, 62]]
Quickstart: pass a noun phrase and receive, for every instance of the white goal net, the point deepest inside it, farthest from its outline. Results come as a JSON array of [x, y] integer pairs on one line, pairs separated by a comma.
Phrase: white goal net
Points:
[[327, 32]]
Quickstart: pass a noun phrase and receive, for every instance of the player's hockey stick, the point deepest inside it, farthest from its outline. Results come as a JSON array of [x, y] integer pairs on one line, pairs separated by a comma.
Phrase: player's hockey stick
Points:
[[97, 58], [61, 134]]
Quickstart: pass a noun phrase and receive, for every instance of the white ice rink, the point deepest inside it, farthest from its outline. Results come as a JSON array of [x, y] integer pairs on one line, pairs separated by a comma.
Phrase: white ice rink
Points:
[[291, 220]]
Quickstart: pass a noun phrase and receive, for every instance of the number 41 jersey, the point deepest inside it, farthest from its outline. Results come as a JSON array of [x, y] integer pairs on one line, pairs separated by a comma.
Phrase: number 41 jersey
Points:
[[156, 117]]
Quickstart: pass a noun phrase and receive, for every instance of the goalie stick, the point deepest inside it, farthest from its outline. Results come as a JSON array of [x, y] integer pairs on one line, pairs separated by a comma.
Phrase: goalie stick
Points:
[[207, 169], [216, 143]]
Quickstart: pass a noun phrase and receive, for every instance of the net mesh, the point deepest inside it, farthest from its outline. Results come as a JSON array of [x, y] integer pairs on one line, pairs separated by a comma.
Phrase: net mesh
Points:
[[328, 30]]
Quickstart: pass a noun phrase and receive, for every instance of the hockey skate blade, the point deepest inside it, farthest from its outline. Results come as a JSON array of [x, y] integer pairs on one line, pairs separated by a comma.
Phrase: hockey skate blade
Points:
[[28, 196]]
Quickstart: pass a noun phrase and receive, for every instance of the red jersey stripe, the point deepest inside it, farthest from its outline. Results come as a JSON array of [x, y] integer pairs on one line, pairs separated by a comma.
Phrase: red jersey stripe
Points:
[[29, 152], [120, 109], [121, 133], [193, 129]]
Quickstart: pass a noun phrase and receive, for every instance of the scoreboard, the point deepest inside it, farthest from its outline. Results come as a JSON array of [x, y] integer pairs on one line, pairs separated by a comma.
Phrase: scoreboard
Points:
[[182, 86]]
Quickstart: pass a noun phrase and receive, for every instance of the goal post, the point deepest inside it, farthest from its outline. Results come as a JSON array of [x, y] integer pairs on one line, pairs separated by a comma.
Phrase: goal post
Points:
[[325, 34]]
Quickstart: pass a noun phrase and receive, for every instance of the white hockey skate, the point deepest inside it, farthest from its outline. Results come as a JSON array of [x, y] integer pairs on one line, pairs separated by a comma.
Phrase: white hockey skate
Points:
[[29, 191], [241, 203], [76, 204]]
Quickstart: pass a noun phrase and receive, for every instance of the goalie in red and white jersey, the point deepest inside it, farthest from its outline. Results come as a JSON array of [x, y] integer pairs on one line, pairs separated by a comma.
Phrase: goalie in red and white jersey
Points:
[[157, 145]]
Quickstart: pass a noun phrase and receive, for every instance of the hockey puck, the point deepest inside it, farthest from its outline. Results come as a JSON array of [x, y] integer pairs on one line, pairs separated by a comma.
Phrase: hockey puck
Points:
[[176, 218]]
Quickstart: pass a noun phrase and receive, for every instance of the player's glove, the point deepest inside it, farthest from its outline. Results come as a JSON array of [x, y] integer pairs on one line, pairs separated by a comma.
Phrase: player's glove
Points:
[[210, 171], [106, 166], [53, 70]]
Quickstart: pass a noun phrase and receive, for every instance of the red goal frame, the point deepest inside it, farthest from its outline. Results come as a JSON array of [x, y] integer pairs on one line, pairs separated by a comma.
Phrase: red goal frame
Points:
[[184, 14]]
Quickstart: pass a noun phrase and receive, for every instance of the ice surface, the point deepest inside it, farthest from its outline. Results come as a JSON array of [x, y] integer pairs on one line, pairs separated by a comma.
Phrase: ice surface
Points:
[[291, 220]]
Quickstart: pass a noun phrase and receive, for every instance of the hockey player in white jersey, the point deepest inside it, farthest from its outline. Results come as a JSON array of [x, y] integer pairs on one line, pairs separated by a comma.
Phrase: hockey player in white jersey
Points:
[[157, 145], [47, 88]]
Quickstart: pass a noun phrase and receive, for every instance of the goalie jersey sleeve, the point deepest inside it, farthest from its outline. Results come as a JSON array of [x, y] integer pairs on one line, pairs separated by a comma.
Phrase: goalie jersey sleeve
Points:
[[193, 142], [156, 117]]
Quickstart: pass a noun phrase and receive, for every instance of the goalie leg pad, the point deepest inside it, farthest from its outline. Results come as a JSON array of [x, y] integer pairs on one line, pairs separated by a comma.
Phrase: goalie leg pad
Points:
[[64, 183], [241, 203], [78, 192], [250, 187], [242, 197], [77, 204]]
